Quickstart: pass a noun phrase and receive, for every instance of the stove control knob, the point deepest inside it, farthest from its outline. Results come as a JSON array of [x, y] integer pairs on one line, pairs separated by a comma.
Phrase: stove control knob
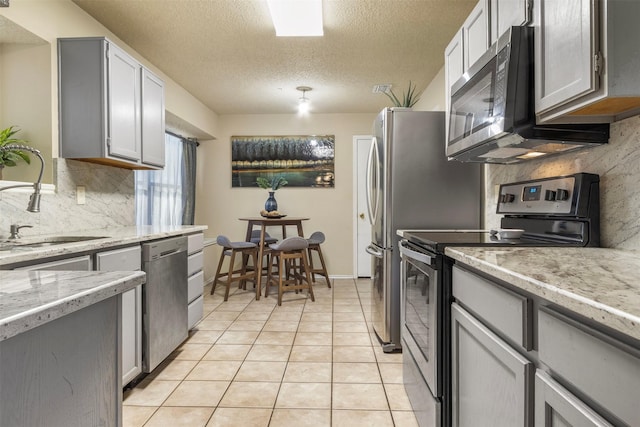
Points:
[[562, 194], [550, 195], [507, 198]]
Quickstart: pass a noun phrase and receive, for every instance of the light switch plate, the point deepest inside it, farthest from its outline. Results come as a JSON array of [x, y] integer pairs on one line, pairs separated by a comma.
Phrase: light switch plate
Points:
[[81, 195]]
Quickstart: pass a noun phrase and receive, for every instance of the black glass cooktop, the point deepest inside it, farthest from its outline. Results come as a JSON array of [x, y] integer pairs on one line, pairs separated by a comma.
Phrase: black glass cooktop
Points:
[[438, 240]]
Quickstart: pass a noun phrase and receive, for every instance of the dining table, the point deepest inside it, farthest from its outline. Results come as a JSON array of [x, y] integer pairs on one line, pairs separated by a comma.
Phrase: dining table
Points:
[[264, 223]]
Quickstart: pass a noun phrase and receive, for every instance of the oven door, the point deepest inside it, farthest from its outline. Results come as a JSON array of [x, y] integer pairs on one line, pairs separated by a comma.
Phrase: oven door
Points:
[[422, 311]]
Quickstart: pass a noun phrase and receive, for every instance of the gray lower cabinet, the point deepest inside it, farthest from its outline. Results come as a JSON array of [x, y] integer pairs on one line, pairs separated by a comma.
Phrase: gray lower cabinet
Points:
[[604, 371], [127, 259], [584, 377], [65, 372], [556, 407], [195, 282], [492, 383]]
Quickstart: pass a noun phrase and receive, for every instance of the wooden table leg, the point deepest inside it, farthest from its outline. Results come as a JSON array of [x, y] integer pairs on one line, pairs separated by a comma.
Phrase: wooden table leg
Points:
[[259, 266]]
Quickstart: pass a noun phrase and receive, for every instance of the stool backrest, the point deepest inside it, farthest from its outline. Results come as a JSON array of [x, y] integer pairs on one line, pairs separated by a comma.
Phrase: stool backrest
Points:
[[290, 244], [223, 241]]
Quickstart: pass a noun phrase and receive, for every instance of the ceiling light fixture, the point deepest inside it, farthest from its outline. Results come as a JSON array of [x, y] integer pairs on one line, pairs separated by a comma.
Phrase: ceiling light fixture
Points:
[[303, 101], [296, 18]]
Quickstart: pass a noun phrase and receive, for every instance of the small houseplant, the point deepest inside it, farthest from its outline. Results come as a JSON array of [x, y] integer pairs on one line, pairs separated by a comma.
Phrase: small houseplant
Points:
[[271, 205], [409, 98], [11, 157]]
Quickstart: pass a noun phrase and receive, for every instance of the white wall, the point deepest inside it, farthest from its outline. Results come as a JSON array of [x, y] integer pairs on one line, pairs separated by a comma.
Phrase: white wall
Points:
[[433, 97], [330, 209]]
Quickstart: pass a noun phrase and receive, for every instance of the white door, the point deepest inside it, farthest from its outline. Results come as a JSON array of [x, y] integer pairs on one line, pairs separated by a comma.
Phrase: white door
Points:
[[362, 145]]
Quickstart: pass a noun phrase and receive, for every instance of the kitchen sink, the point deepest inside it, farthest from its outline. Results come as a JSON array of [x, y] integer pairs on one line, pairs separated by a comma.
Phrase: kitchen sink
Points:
[[45, 241]]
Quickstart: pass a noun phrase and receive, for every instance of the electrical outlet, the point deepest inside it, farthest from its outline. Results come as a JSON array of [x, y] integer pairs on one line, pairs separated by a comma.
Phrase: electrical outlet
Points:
[[81, 195]]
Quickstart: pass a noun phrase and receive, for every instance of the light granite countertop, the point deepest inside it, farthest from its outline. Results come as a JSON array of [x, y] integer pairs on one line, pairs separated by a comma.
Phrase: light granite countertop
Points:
[[108, 237], [29, 299], [598, 283]]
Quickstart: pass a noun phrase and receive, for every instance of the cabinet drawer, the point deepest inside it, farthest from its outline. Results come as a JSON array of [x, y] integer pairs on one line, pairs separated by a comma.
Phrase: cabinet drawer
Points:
[[195, 285], [126, 259], [606, 371], [508, 312], [195, 242], [194, 263], [554, 405], [196, 309], [82, 263]]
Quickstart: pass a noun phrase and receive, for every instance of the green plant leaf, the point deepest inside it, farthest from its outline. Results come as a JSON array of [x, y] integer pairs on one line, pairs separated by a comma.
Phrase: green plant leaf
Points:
[[11, 157], [409, 98]]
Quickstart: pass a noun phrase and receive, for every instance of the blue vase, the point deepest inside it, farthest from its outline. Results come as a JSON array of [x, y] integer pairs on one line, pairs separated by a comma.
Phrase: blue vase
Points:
[[271, 205]]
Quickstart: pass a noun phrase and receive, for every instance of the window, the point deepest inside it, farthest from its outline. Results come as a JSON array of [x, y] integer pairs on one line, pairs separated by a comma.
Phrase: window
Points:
[[165, 197]]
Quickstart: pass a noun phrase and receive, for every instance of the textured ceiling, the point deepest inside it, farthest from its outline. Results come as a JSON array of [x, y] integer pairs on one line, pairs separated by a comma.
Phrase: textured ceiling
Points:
[[226, 54]]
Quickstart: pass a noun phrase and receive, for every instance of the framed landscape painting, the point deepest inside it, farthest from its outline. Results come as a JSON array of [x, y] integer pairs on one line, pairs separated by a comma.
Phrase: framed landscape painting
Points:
[[303, 160]]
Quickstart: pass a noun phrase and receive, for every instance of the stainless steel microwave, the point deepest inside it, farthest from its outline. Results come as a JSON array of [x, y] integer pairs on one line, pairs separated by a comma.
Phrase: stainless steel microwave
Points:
[[492, 116]]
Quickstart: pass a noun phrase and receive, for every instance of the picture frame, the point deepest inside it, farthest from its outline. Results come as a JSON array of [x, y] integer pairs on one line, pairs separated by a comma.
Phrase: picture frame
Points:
[[303, 160]]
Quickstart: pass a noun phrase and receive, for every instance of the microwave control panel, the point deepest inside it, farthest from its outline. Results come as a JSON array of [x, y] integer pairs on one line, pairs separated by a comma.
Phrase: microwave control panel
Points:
[[552, 196]]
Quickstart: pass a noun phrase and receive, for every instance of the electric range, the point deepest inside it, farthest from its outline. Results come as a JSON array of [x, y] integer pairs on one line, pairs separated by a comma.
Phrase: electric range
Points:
[[557, 211]]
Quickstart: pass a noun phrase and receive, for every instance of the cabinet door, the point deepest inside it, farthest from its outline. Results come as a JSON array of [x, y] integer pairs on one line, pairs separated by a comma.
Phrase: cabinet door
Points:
[[556, 407], [491, 382], [565, 47], [475, 31], [123, 97], [453, 70], [453, 61], [152, 119], [124, 260], [507, 13]]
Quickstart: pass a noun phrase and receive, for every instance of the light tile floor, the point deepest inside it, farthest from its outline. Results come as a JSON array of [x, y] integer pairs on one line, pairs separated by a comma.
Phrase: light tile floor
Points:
[[251, 363]]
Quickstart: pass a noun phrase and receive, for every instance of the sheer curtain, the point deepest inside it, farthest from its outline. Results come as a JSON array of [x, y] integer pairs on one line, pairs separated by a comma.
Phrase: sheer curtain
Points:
[[166, 197]]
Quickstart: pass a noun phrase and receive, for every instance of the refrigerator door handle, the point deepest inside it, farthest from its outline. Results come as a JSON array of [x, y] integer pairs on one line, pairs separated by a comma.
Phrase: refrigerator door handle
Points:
[[373, 251], [372, 210]]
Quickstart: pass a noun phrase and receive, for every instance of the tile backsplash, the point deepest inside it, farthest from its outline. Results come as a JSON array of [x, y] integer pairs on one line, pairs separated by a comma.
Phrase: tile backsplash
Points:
[[110, 201], [617, 163]]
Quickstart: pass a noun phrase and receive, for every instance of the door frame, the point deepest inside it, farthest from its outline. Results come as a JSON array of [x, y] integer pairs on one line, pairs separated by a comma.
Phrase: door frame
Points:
[[355, 200]]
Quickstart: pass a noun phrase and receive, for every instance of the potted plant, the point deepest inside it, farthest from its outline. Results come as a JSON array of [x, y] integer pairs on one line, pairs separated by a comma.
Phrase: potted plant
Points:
[[271, 205], [11, 157], [409, 98]]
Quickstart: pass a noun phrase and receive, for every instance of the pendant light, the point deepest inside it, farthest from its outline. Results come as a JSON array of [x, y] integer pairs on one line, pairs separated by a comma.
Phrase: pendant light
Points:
[[303, 101]]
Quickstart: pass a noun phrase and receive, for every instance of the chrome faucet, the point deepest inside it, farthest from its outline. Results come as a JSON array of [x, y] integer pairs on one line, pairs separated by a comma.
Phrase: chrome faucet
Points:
[[34, 200], [15, 230]]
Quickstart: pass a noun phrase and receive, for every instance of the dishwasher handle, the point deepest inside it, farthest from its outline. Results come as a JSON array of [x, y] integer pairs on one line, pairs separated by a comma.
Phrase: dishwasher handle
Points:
[[159, 249]]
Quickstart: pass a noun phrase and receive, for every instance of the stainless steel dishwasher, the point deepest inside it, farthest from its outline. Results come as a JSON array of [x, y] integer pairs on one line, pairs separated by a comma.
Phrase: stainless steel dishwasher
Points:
[[164, 299]]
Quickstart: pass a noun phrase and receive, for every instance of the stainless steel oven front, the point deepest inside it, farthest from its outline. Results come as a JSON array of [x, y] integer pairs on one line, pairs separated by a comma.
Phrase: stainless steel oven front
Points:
[[423, 332]]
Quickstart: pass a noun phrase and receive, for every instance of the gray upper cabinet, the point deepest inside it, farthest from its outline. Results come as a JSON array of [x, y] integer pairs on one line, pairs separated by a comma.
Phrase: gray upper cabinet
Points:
[[508, 13], [469, 43], [111, 108], [475, 33], [586, 60], [152, 119], [122, 110]]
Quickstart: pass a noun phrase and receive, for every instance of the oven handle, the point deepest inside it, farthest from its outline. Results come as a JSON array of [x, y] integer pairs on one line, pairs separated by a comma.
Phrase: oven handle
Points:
[[372, 251], [418, 256]]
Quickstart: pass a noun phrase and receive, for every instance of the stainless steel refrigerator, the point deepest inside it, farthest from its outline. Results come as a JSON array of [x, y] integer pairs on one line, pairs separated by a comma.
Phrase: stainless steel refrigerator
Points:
[[411, 185]]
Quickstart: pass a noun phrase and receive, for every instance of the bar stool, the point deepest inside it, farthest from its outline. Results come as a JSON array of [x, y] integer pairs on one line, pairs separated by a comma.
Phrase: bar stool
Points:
[[231, 249], [314, 242], [255, 237], [290, 258]]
